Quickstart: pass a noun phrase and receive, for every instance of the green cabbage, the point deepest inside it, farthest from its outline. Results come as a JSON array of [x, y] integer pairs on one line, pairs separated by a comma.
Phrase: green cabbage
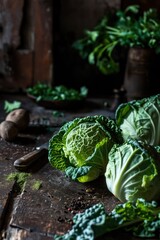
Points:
[[81, 147], [140, 119], [133, 171]]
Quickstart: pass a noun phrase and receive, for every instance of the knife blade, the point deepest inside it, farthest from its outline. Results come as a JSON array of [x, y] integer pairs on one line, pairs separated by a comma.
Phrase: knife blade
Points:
[[28, 159]]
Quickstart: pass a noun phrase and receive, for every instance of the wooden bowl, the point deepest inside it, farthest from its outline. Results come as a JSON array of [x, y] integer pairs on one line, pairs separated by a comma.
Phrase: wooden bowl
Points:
[[59, 104]]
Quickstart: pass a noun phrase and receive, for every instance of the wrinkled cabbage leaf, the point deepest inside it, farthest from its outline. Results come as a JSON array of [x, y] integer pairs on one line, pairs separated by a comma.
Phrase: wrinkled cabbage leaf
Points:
[[81, 147], [140, 119], [133, 171]]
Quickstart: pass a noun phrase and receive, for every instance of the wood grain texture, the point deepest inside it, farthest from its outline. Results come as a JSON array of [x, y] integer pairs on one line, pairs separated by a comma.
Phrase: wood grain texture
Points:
[[43, 54]]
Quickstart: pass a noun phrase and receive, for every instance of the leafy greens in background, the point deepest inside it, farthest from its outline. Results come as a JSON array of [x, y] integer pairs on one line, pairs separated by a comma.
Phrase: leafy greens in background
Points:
[[130, 27], [44, 92]]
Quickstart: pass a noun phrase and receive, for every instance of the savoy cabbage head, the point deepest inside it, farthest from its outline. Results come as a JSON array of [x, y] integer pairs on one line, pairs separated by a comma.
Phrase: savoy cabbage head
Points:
[[81, 147], [133, 171], [140, 119]]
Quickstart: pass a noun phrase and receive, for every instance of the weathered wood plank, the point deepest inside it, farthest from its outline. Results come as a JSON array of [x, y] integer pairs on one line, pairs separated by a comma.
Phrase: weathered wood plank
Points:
[[22, 71], [43, 59], [11, 13], [26, 29], [16, 233], [22, 62], [10, 20], [50, 209], [5, 188]]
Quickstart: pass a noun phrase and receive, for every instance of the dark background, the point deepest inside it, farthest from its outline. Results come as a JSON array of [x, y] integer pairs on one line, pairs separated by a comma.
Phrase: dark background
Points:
[[36, 38]]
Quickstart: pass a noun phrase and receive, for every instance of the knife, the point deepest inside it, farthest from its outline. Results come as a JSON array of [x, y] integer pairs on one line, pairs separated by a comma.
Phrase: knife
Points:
[[30, 158]]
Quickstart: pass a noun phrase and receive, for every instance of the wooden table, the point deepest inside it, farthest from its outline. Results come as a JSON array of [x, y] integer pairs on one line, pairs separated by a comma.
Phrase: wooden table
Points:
[[38, 214]]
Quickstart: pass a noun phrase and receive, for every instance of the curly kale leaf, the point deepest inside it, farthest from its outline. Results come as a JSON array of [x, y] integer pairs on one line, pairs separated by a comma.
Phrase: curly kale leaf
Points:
[[141, 218]]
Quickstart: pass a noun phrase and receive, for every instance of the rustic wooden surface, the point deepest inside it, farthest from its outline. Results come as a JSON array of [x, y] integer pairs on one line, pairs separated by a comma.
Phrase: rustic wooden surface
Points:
[[26, 38], [39, 214]]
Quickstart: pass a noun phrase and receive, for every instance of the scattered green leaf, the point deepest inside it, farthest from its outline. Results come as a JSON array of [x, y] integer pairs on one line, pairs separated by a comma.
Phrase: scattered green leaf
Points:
[[10, 106], [19, 177], [37, 185]]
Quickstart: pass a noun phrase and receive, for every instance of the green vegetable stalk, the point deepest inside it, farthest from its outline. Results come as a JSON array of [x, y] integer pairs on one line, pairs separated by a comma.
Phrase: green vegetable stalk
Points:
[[81, 147]]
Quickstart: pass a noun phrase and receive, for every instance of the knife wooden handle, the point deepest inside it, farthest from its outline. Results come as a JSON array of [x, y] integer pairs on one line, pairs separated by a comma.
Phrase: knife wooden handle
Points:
[[25, 161]]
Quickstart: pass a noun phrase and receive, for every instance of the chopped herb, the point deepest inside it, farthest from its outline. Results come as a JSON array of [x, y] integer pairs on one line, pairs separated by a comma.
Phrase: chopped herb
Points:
[[37, 185], [20, 178]]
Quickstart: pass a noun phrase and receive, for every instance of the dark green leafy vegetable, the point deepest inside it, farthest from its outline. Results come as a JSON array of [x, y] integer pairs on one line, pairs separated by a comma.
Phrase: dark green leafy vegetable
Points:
[[130, 27], [141, 218], [44, 92]]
